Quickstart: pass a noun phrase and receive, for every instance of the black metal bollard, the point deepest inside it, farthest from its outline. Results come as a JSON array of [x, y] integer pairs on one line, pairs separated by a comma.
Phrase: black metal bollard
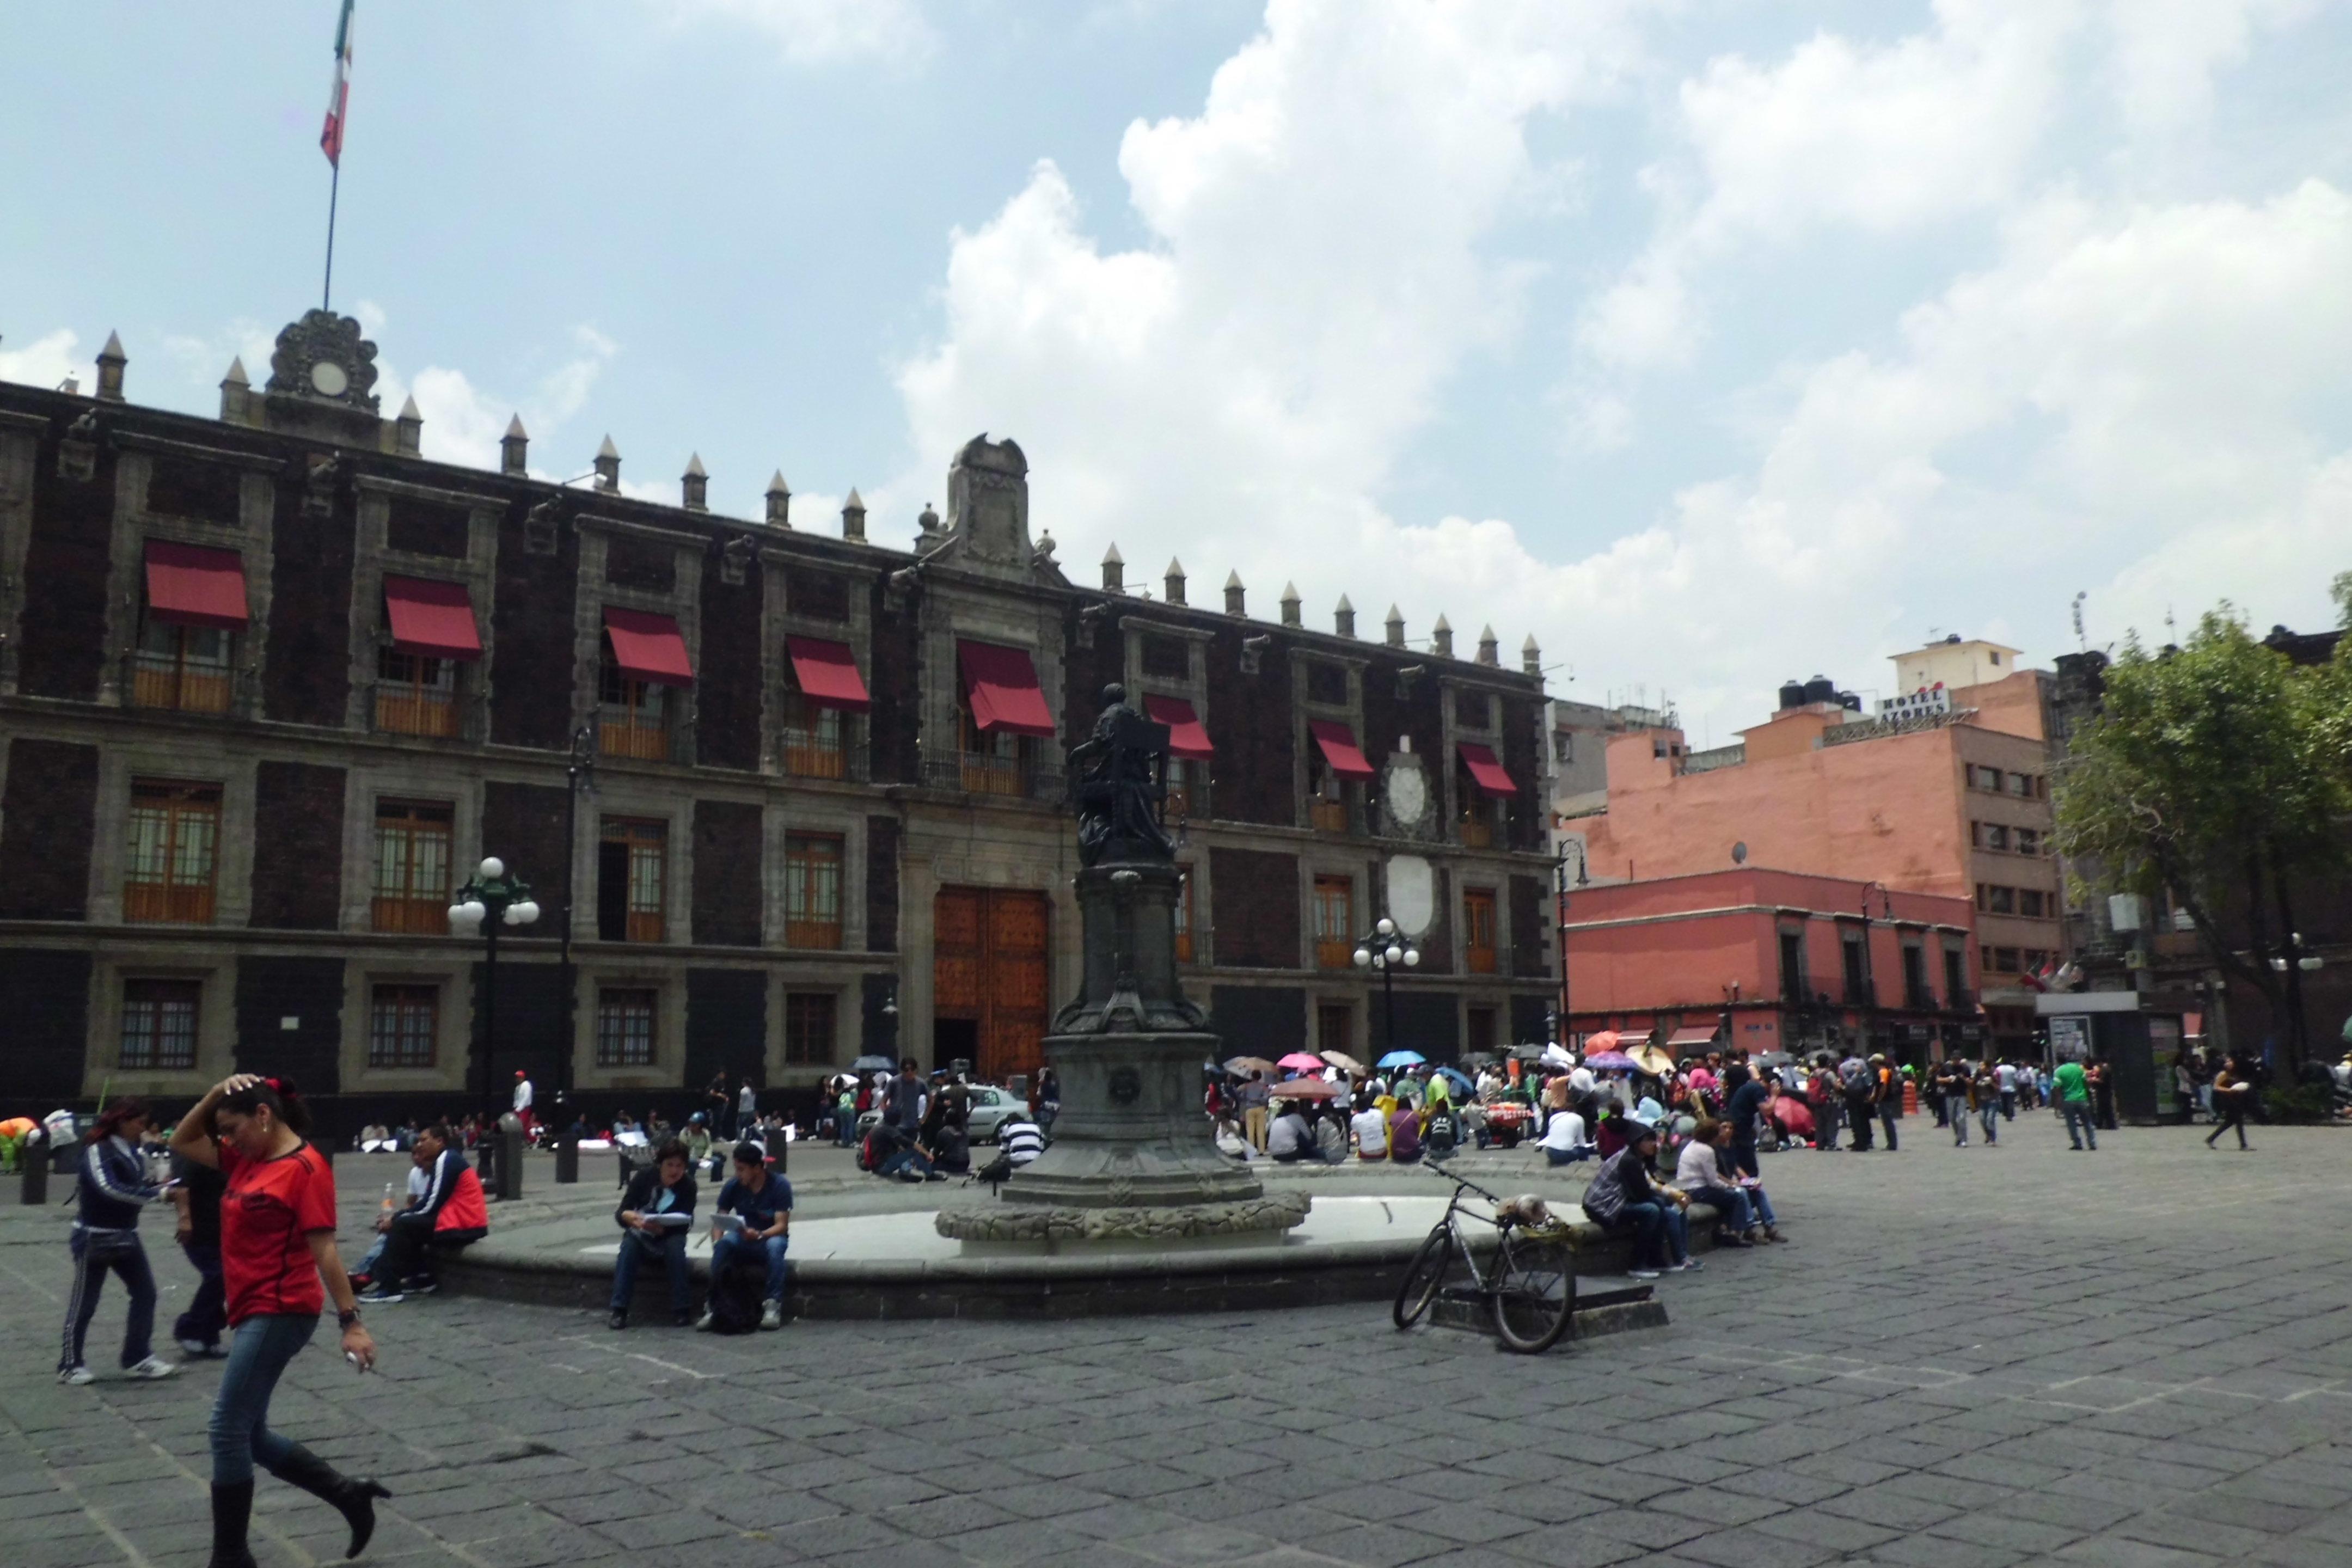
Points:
[[510, 1163], [567, 1160], [33, 1155]]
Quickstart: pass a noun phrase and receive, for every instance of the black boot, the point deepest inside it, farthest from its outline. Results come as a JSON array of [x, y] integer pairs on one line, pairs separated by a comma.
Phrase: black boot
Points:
[[232, 1511], [355, 1500]]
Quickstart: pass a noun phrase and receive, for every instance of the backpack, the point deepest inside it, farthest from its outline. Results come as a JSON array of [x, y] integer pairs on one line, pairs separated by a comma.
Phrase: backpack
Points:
[[735, 1296], [1856, 1079]]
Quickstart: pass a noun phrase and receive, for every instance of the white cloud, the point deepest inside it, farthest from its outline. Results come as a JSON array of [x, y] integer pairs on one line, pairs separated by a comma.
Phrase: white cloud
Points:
[[2167, 51], [824, 32], [463, 423], [47, 361]]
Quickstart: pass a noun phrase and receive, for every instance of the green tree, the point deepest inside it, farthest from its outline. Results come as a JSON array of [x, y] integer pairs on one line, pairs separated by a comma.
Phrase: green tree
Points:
[[2214, 770]]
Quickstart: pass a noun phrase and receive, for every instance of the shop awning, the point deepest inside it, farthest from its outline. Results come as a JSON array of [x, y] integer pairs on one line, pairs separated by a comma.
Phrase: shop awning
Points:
[[828, 673], [1338, 744], [436, 619], [1682, 1037], [647, 645], [1002, 687], [191, 586], [1485, 771], [1187, 736]]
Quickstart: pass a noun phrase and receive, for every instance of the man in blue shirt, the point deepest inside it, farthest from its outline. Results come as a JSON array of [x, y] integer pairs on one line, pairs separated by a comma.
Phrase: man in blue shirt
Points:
[[762, 1202]]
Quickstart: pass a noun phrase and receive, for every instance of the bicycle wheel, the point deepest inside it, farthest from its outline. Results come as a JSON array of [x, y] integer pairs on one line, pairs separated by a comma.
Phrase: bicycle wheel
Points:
[[1535, 1290], [1422, 1278]]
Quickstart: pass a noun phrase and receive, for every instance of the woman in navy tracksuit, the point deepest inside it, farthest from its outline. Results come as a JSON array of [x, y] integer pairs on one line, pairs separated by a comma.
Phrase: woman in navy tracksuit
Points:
[[113, 1189]]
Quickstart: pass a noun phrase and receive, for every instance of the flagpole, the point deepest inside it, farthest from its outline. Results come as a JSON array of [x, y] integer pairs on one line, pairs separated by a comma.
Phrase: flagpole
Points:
[[334, 190]]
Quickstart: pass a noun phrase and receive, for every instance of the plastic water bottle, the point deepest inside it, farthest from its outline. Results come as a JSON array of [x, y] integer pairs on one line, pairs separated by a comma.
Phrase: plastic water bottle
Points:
[[383, 1209]]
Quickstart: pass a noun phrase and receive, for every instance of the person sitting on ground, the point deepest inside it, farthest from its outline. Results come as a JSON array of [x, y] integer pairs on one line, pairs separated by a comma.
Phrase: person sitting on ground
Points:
[[1369, 1130], [760, 1203], [1404, 1134], [450, 1212], [1019, 1140], [943, 1132], [373, 1137], [1707, 1173], [1440, 1126], [1563, 1141], [1622, 1198], [1290, 1140], [696, 1139], [655, 1216]]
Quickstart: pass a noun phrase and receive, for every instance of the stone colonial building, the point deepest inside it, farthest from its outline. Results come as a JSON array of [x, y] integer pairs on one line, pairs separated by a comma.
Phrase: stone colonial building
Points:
[[272, 685]]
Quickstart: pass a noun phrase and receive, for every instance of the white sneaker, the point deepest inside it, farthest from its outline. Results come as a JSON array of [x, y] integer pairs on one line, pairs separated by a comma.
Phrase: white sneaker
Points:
[[76, 1374], [772, 1316], [151, 1369], [702, 1324], [1640, 1274]]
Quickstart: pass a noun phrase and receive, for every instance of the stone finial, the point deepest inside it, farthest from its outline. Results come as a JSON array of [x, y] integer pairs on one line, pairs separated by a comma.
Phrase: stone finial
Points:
[[853, 516], [1343, 617], [1233, 595], [1174, 580], [1530, 656], [1290, 604], [1114, 570], [1395, 625], [1489, 649], [408, 429], [694, 485], [780, 501], [236, 392], [111, 361], [926, 526], [1441, 637], [608, 467], [514, 448]]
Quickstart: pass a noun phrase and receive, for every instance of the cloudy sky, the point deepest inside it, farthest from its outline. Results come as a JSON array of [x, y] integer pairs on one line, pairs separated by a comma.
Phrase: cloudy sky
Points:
[[1712, 342]]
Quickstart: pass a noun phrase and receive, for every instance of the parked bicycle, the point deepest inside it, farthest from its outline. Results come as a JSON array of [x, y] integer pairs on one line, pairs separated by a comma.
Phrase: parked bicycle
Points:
[[1528, 1281]]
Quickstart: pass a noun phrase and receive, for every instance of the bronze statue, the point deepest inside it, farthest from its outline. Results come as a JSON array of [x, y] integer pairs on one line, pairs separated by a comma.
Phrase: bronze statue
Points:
[[1120, 786]]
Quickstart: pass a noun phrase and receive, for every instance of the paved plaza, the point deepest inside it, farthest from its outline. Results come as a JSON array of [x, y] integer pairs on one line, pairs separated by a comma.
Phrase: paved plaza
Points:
[[2013, 1354]]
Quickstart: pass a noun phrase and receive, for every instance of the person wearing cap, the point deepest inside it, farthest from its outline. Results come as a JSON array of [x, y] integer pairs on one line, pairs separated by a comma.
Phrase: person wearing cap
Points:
[[762, 1201], [1623, 1197], [522, 1099]]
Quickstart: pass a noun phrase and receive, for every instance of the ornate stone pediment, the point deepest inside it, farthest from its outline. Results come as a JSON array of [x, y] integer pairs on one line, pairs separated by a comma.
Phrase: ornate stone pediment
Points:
[[322, 357]]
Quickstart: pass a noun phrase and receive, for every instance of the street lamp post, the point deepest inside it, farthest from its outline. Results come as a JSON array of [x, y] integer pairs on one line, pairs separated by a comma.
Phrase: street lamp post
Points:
[[1383, 947], [1870, 963], [580, 773], [490, 900]]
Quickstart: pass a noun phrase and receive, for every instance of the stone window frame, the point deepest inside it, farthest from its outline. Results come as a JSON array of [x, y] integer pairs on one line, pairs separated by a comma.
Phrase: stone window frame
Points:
[[20, 452], [638, 800], [213, 968], [667, 981], [1451, 790], [683, 603], [1028, 620], [373, 558], [827, 816], [845, 982], [453, 1023], [406, 779], [215, 758], [252, 537], [778, 621], [1193, 687], [1303, 746]]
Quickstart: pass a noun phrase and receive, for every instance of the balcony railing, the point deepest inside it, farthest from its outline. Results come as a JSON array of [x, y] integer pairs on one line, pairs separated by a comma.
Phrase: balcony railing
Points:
[[161, 683], [983, 772], [644, 742], [1330, 954], [410, 917], [1919, 999], [1188, 801], [824, 935], [1961, 1001], [1478, 959], [405, 710], [1326, 816], [1861, 994], [166, 903], [1477, 833], [809, 755]]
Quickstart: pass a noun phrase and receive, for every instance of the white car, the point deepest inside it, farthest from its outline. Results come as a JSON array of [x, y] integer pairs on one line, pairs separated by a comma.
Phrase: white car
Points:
[[990, 1108]]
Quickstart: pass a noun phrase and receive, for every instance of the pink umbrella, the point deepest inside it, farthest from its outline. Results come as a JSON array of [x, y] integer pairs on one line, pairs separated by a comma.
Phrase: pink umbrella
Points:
[[1300, 1061]]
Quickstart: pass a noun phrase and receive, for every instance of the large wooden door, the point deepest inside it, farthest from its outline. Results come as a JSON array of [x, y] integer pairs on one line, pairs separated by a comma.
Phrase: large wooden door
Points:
[[988, 964]]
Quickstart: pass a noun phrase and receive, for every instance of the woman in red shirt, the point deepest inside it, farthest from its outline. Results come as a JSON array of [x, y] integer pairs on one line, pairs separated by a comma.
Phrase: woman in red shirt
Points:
[[280, 1264]]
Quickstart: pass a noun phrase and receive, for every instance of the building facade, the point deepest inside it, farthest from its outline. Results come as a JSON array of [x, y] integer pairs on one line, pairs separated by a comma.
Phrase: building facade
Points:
[[272, 685]]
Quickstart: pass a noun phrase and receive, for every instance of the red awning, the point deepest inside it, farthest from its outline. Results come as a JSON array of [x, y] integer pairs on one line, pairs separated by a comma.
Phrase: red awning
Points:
[[649, 646], [1485, 771], [1693, 1036], [190, 585], [436, 619], [1187, 736], [827, 673], [1338, 743], [1002, 685]]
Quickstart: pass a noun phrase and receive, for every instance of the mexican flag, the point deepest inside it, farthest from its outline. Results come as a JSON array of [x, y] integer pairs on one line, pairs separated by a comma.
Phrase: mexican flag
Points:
[[330, 139]]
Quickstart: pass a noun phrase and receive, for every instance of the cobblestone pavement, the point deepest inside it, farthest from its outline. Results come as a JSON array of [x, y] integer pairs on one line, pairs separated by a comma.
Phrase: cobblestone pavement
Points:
[[2142, 1356]]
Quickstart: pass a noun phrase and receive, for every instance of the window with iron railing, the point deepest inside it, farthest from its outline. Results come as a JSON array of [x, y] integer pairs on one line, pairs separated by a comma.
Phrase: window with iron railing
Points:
[[1329, 802], [1917, 994], [1188, 789], [1478, 931], [181, 668], [411, 868], [415, 695], [1335, 922], [171, 857], [1793, 989], [812, 891], [632, 879], [159, 1023], [993, 762], [633, 718], [403, 1023], [625, 1026], [813, 740], [1477, 824]]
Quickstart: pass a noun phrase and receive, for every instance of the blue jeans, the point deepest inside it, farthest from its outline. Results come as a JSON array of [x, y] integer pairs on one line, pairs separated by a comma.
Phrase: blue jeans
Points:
[[257, 1354], [730, 1247], [207, 1312], [1738, 1208], [635, 1254], [1567, 1156], [1988, 1113], [125, 1256], [2082, 1122], [1955, 1111], [1661, 1233]]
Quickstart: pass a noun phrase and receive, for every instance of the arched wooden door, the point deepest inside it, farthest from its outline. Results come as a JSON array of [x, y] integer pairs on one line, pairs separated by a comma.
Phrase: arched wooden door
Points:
[[989, 966]]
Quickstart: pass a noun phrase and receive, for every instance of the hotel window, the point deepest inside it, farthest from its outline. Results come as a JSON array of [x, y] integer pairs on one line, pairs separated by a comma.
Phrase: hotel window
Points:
[[415, 695], [813, 739], [1985, 779], [2029, 841], [174, 841], [1478, 929], [808, 1027], [411, 868], [159, 1023], [1996, 837], [625, 1026], [1999, 900], [1184, 916], [403, 1022], [632, 878], [812, 891], [1335, 922], [2021, 784], [2030, 901], [180, 667], [634, 717], [2003, 959]]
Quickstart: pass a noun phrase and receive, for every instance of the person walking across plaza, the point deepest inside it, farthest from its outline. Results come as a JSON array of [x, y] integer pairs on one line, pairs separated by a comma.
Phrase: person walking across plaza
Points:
[[2233, 1097], [197, 1195], [105, 1238], [1985, 1085], [2071, 1086], [1951, 1086], [523, 1096], [762, 1202], [278, 1258]]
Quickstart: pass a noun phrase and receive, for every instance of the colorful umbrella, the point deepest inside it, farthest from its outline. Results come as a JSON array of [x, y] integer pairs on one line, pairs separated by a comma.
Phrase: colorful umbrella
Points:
[[1304, 1089], [1458, 1078], [1343, 1061], [1606, 1040], [1611, 1061], [1301, 1061], [1242, 1067], [1402, 1059]]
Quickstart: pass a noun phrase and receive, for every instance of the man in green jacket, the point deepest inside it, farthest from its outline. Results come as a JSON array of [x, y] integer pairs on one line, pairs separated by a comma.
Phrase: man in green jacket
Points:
[[2072, 1089]]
